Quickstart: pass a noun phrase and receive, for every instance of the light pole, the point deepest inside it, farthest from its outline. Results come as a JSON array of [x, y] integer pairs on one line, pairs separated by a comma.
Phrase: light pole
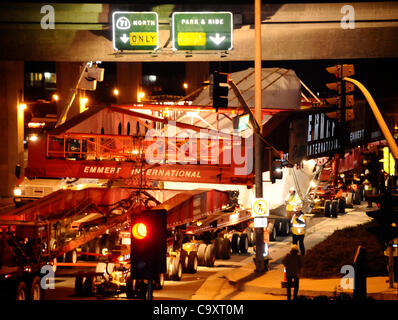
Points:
[[258, 147]]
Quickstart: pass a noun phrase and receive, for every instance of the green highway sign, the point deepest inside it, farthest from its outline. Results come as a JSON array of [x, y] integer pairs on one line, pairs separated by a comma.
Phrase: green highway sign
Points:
[[202, 30], [135, 30]]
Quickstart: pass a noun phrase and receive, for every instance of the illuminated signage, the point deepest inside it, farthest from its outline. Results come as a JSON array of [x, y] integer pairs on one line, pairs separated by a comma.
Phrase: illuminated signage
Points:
[[202, 30], [321, 135], [135, 30]]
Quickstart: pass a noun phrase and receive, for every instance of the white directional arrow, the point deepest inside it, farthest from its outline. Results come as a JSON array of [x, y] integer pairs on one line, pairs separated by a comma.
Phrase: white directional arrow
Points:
[[217, 39], [124, 38]]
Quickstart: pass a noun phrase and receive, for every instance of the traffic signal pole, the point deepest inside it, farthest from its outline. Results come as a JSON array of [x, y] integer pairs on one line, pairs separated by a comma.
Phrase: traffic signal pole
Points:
[[379, 118], [258, 147]]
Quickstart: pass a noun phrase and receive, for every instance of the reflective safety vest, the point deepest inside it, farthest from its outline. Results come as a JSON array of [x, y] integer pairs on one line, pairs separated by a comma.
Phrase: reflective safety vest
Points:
[[292, 202], [298, 224], [367, 185]]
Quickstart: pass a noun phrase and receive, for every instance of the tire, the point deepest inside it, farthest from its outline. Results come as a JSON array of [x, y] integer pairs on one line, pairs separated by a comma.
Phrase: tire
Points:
[[192, 262], [235, 243], [357, 197], [79, 281], [85, 249], [342, 205], [95, 247], [36, 292], [225, 249], [328, 207], [71, 256], [184, 260], [272, 234], [243, 243], [210, 255], [130, 288], [88, 286], [218, 243], [349, 200], [159, 282], [169, 261], [201, 254], [177, 270], [286, 228], [22, 292], [334, 208], [250, 233]]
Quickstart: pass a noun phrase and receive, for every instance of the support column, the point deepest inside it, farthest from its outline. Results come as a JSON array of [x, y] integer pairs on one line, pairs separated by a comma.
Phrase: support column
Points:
[[67, 76], [11, 123], [129, 81], [195, 74]]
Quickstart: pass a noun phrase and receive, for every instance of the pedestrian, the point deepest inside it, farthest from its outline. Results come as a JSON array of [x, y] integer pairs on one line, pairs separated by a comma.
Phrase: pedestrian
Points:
[[292, 201], [293, 262], [298, 228]]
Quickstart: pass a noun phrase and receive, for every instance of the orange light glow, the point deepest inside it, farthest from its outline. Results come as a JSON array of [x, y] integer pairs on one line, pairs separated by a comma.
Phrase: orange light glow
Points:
[[139, 231]]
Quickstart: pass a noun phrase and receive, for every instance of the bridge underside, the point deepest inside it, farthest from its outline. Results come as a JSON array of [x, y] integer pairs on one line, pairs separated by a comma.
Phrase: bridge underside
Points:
[[289, 32]]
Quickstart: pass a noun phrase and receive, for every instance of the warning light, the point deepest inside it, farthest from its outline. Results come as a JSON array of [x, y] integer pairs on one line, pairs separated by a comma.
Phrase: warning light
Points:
[[139, 231]]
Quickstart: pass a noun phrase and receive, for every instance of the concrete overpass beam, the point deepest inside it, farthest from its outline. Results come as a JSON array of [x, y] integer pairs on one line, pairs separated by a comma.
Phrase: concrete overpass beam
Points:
[[11, 123]]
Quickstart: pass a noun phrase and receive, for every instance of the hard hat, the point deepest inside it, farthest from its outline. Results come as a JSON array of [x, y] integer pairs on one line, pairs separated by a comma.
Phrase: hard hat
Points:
[[292, 189], [295, 247]]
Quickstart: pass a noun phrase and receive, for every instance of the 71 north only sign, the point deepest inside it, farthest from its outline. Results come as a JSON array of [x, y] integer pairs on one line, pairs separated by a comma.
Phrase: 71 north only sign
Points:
[[135, 30], [202, 30]]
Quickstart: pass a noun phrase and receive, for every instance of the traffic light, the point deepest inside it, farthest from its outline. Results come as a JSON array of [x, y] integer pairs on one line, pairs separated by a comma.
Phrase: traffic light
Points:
[[148, 244], [220, 89], [273, 164], [343, 101], [276, 170]]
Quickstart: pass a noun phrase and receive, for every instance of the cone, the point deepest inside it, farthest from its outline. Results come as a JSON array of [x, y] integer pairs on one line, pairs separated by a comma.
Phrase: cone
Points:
[[284, 281]]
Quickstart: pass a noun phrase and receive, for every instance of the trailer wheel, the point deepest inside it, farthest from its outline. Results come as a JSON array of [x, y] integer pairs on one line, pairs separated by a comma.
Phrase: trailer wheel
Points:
[[22, 292], [130, 288], [192, 262], [36, 292], [159, 282], [357, 197], [210, 255], [184, 260], [218, 243], [342, 205], [71, 256], [243, 243], [79, 280], [235, 243], [250, 234], [286, 229], [225, 249], [201, 254], [177, 269], [95, 247], [349, 200], [88, 286], [272, 235], [334, 208], [328, 205]]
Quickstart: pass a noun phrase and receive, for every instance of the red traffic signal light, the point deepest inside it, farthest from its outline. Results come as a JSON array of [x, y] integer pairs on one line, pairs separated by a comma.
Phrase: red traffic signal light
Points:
[[139, 230]]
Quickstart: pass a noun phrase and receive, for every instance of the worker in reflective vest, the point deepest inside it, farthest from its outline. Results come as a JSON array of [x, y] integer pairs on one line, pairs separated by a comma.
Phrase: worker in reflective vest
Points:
[[368, 191], [298, 228], [292, 201]]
